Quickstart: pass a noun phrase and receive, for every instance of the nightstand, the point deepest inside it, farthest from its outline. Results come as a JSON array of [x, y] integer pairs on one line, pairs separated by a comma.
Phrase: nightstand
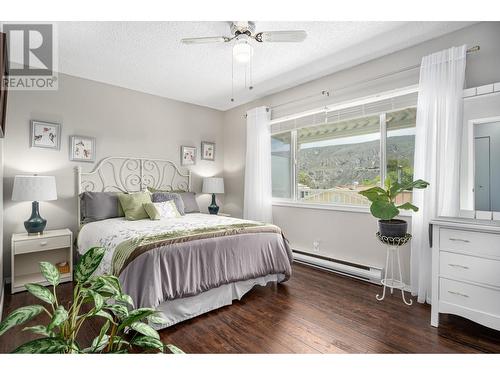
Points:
[[27, 252]]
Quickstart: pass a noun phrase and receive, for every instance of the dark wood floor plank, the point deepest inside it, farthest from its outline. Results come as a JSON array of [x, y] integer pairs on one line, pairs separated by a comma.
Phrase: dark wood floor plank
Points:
[[314, 312]]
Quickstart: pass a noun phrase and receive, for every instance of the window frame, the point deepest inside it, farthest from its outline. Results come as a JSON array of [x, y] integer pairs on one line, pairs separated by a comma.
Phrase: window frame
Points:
[[295, 202]]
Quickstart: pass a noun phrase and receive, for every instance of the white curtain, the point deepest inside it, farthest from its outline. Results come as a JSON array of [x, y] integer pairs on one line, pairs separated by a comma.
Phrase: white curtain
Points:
[[437, 155], [258, 201]]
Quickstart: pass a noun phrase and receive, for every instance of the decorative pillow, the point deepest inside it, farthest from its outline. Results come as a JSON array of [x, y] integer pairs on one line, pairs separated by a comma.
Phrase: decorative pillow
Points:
[[161, 210], [164, 197], [155, 190], [189, 200], [96, 206], [132, 205]]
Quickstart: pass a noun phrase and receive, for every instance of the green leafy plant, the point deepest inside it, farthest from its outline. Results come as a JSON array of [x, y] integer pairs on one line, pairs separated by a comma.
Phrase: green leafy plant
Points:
[[383, 200], [124, 329]]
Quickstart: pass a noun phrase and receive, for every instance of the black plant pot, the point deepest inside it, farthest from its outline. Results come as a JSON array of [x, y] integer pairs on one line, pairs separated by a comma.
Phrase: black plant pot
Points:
[[392, 228]]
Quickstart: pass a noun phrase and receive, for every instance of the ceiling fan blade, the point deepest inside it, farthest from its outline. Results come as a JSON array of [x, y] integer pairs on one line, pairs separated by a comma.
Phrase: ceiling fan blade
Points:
[[281, 36], [204, 40]]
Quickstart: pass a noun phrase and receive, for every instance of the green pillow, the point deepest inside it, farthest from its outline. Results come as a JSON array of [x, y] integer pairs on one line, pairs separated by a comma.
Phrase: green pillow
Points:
[[151, 211], [132, 205]]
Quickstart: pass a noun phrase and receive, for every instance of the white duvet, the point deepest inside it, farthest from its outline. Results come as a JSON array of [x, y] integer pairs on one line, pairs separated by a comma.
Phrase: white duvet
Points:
[[111, 232]]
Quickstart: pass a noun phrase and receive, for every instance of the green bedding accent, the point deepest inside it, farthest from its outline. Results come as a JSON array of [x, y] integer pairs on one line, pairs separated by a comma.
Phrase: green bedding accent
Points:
[[132, 205], [130, 249]]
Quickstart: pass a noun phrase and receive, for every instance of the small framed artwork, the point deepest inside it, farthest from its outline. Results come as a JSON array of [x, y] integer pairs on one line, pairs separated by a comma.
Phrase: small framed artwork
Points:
[[188, 155], [45, 135], [82, 148], [208, 151]]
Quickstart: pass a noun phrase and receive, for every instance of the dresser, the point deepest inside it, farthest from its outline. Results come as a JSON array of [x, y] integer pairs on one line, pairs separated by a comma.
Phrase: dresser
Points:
[[466, 270]]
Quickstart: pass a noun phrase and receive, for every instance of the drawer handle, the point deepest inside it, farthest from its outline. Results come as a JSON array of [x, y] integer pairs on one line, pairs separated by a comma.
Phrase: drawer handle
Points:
[[458, 294], [43, 243], [458, 266], [459, 239]]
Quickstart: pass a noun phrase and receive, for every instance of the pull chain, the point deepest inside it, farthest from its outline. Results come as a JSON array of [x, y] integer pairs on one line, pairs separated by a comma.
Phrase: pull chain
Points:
[[246, 70], [232, 78], [250, 87]]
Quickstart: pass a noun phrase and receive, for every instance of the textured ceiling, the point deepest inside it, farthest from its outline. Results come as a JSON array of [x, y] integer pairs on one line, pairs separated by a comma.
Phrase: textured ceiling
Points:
[[148, 56]]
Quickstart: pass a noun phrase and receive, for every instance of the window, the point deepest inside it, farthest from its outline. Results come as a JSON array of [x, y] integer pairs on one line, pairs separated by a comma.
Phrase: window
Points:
[[336, 160], [400, 148], [281, 165], [340, 153]]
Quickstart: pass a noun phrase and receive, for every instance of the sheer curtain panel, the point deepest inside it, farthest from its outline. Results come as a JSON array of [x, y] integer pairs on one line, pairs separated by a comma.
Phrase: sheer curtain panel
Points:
[[258, 200], [437, 155]]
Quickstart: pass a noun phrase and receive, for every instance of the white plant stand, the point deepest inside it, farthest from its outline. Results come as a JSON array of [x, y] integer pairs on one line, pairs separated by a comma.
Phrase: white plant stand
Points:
[[393, 244]]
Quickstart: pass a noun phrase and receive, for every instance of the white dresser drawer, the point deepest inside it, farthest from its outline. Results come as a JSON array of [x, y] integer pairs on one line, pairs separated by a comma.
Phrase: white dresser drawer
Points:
[[480, 299], [469, 242], [466, 267], [40, 244]]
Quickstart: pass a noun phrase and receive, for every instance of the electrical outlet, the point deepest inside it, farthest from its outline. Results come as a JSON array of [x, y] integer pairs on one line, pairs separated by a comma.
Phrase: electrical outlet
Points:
[[316, 244]]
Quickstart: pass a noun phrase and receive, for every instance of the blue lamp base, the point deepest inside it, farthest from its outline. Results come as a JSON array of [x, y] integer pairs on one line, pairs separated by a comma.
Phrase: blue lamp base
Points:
[[213, 209], [35, 224]]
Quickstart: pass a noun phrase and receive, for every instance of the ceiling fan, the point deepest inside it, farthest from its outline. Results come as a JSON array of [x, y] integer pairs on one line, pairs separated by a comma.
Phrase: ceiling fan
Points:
[[243, 32]]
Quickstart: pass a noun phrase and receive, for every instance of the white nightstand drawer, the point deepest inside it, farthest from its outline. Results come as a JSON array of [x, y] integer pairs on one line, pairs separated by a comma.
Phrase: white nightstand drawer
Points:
[[465, 267], [476, 243], [40, 244], [470, 296]]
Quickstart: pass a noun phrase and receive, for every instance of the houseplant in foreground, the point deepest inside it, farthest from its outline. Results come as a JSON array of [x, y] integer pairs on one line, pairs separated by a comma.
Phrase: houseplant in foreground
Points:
[[385, 209], [123, 329]]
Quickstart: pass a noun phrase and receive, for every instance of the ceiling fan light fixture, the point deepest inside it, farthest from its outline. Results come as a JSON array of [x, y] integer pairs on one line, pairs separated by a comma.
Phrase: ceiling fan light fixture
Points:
[[242, 51]]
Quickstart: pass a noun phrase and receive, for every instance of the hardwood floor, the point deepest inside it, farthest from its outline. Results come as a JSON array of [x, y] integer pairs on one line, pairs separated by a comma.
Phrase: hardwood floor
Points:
[[314, 312]]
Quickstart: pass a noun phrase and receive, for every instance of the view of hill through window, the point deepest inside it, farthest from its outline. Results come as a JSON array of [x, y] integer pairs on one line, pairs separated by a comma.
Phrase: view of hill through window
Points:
[[337, 160]]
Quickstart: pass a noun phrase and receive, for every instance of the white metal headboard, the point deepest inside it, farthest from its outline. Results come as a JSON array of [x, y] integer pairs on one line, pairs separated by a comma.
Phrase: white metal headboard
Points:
[[129, 174]]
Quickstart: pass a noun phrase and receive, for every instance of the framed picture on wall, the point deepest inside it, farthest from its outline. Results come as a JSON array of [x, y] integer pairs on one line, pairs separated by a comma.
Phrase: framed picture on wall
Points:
[[45, 135], [208, 151], [82, 148], [188, 155]]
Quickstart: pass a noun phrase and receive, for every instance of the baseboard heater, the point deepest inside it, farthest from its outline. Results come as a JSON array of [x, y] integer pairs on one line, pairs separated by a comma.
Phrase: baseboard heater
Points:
[[358, 271]]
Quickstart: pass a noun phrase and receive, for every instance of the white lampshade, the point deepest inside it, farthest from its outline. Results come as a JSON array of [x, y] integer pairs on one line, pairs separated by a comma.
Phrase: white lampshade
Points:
[[213, 185], [34, 188]]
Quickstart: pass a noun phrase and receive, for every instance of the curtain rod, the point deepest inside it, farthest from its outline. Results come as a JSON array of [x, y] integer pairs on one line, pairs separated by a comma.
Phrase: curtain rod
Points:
[[326, 93]]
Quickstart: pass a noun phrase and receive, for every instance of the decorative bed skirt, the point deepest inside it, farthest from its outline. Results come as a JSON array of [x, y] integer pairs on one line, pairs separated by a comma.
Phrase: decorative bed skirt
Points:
[[181, 309]]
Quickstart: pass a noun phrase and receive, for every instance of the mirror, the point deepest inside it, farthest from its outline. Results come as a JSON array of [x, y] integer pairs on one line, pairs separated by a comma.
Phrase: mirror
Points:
[[486, 171], [481, 185], [480, 161]]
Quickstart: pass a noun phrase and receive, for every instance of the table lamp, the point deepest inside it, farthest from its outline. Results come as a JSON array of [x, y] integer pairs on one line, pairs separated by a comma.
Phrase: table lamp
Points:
[[213, 185], [34, 188]]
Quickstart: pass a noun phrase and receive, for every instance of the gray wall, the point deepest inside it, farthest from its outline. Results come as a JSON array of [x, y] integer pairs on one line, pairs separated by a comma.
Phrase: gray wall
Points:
[[124, 123], [350, 236]]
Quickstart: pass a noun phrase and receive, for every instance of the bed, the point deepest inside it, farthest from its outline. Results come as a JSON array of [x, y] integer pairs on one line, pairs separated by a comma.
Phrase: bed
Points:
[[183, 266]]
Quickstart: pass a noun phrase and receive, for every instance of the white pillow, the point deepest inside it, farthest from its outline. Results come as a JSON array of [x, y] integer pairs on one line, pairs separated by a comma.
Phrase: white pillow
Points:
[[167, 209]]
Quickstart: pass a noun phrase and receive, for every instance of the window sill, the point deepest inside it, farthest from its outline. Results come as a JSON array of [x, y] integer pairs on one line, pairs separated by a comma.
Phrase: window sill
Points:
[[330, 207]]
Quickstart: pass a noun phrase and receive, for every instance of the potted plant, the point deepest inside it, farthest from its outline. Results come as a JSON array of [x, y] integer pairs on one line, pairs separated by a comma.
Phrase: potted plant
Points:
[[124, 328], [384, 208]]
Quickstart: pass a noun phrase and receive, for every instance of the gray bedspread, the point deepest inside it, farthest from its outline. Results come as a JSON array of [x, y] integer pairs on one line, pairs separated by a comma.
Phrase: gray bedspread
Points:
[[163, 260], [189, 268]]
